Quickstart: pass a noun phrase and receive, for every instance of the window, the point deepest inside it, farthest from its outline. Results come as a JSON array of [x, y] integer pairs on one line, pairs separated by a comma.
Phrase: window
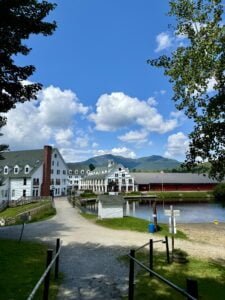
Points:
[[58, 172], [13, 193], [24, 181], [64, 172], [82, 171], [52, 181], [123, 174], [24, 193], [27, 169], [16, 170], [57, 163], [53, 163], [57, 181], [35, 181], [55, 155], [6, 170], [123, 181], [52, 171], [116, 174], [119, 169], [130, 181], [70, 171], [76, 171]]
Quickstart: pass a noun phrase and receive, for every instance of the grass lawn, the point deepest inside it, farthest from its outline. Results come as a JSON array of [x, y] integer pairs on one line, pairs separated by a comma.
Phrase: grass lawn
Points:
[[209, 274], [12, 212], [22, 264], [191, 196], [131, 223]]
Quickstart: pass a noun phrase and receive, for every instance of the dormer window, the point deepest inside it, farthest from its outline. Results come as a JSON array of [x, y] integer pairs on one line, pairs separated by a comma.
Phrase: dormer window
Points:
[[82, 171], [16, 170], [76, 171], [27, 169], [6, 170]]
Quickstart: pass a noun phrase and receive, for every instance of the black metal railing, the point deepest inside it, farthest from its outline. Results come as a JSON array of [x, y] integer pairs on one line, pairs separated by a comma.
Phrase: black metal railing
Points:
[[191, 292], [45, 278]]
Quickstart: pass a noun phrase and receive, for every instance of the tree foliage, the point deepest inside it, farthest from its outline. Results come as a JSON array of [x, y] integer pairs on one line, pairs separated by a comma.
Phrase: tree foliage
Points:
[[195, 65], [19, 19]]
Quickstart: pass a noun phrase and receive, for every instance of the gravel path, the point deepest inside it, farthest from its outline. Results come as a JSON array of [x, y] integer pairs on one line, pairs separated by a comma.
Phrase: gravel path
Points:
[[89, 253]]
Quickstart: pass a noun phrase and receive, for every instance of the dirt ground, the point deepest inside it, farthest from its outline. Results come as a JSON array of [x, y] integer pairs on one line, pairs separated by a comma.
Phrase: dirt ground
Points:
[[213, 234]]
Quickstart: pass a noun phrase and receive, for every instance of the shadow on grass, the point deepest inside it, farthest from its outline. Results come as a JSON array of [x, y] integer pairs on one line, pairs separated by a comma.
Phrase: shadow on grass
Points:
[[209, 275]]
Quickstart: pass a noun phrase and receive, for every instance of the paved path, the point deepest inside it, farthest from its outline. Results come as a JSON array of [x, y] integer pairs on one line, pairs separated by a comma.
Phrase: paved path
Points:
[[89, 254]]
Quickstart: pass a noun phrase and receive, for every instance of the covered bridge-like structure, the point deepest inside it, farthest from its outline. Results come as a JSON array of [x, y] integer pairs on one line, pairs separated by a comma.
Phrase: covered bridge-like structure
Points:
[[173, 182]]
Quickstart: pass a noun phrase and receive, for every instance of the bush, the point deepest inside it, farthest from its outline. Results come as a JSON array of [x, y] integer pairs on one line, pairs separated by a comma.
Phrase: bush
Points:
[[219, 192]]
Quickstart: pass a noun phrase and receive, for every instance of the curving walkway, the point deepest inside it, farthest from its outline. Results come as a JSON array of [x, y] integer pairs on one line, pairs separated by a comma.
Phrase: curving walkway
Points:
[[89, 253]]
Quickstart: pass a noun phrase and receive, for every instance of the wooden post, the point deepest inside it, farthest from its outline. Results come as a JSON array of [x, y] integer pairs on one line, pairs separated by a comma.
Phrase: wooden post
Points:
[[192, 288], [47, 277], [131, 276], [167, 250], [172, 227], [57, 259], [150, 256], [155, 215]]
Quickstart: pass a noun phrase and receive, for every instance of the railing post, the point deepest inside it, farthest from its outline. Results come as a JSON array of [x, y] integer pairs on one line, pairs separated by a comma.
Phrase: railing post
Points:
[[192, 288], [57, 259], [150, 256], [167, 250], [47, 278], [131, 276]]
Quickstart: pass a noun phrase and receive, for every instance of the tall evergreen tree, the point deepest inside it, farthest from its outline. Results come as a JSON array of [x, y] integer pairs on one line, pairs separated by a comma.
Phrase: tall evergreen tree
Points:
[[191, 68]]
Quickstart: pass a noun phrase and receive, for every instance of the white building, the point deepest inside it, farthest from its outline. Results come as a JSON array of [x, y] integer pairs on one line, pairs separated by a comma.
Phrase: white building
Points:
[[32, 173], [76, 171], [114, 177]]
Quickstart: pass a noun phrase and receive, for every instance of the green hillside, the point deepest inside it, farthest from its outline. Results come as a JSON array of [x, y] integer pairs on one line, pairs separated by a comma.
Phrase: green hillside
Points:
[[149, 163]]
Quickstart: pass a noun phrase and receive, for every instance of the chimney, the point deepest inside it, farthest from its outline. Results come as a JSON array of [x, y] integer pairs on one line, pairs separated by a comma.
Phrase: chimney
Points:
[[46, 182]]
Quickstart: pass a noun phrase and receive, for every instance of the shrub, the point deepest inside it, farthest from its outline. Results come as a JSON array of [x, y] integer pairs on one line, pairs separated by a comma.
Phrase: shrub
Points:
[[219, 192]]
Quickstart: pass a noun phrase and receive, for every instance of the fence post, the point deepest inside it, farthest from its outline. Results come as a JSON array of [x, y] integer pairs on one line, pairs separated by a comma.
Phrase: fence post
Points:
[[192, 287], [47, 277], [57, 259], [167, 250], [131, 276], [150, 256]]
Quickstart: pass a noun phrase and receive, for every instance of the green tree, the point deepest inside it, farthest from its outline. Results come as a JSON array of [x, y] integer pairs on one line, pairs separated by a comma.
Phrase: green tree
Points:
[[191, 68], [91, 167], [19, 19]]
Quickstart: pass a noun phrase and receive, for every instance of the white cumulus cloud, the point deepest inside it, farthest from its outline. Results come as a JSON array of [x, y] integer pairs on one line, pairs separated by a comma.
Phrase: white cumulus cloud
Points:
[[135, 136], [164, 41], [123, 151], [177, 145], [118, 110], [48, 120]]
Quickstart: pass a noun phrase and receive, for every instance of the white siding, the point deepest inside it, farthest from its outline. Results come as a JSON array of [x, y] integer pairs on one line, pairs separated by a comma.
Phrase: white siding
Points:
[[18, 186], [58, 174]]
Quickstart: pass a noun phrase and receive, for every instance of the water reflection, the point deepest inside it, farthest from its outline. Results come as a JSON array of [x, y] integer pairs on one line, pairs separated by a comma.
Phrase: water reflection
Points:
[[189, 213]]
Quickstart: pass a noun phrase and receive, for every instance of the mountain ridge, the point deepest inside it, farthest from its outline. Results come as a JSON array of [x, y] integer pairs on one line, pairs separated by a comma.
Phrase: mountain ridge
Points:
[[147, 163]]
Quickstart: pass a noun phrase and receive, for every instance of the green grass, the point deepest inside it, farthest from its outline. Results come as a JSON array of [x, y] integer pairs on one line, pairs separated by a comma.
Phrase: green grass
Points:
[[22, 264], [131, 223], [209, 274], [44, 214], [13, 211], [191, 196]]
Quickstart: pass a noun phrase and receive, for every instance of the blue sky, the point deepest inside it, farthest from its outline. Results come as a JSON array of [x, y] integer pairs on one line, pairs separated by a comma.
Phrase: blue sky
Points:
[[100, 96]]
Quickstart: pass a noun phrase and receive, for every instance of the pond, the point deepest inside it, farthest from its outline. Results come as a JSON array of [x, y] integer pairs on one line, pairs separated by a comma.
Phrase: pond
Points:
[[189, 213]]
